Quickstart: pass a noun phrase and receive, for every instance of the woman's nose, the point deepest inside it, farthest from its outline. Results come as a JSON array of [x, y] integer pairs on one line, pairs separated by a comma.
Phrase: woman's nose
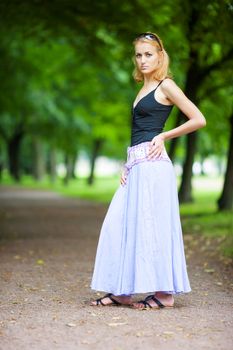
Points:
[[143, 59]]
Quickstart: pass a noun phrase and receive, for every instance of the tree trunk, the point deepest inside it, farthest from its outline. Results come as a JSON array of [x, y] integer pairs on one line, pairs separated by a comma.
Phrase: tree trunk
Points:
[[38, 161], [68, 165], [1, 163], [193, 81], [1, 169], [13, 150], [96, 147], [52, 165], [225, 202], [175, 140], [74, 158], [185, 191], [202, 165]]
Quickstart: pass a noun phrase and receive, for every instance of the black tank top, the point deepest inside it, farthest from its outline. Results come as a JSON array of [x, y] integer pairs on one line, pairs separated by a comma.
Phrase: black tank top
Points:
[[148, 118]]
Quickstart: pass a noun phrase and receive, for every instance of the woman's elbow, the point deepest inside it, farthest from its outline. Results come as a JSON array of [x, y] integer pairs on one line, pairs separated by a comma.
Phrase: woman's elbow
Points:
[[201, 122]]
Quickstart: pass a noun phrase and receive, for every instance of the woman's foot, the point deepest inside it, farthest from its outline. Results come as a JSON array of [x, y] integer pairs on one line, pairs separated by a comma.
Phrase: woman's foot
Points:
[[156, 301], [110, 299]]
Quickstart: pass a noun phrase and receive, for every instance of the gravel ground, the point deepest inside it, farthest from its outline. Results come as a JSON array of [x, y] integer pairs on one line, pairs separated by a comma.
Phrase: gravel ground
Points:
[[47, 252]]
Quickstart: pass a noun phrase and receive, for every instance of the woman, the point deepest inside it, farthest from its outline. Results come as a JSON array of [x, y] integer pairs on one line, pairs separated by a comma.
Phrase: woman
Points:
[[140, 247]]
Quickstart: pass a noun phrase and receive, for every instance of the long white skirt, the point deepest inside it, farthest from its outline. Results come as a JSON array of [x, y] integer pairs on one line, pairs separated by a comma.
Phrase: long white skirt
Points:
[[140, 248]]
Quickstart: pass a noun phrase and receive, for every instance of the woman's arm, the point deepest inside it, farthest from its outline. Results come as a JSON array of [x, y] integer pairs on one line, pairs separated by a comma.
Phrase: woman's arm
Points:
[[196, 118], [189, 109]]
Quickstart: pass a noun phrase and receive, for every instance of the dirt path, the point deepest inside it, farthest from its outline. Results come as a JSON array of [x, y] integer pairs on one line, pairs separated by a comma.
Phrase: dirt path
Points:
[[47, 255]]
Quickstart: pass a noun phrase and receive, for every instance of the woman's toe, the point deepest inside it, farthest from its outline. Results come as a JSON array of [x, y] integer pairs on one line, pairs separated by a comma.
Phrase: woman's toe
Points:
[[138, 305]]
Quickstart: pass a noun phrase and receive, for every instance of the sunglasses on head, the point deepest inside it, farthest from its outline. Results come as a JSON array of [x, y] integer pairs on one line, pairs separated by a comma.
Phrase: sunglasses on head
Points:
[[150, 36]]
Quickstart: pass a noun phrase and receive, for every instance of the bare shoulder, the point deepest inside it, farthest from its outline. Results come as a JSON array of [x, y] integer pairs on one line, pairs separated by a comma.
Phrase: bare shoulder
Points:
[[174, 94], [172, 91], [169, 84]]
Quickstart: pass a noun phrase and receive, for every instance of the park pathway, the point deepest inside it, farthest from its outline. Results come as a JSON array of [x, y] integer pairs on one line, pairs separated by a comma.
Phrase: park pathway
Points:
[[47, 252]]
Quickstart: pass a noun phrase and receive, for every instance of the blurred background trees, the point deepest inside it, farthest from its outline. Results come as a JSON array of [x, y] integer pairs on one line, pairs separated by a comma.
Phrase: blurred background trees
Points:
[[66, 83]]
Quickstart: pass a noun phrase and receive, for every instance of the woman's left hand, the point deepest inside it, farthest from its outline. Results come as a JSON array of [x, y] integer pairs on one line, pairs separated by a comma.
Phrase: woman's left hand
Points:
[[156, 146]]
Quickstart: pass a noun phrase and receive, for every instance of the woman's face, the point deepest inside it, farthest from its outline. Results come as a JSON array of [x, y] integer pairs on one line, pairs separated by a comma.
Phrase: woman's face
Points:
[[147, 57]]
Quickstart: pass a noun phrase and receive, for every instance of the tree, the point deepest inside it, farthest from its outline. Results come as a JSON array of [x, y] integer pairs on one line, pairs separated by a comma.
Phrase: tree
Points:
[[68, 57], [15, 105], [210, 50], [225, 202]]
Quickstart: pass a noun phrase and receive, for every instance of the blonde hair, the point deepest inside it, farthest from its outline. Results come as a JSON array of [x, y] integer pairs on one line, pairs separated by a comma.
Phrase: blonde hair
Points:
[[163, 70]]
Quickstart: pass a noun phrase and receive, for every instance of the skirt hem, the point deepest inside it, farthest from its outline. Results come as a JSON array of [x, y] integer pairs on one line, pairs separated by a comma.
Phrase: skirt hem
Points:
[[143, 291]]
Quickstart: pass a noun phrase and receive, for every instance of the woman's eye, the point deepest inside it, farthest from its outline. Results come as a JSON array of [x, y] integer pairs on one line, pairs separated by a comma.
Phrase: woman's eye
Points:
[[138, 55], [148, 54]]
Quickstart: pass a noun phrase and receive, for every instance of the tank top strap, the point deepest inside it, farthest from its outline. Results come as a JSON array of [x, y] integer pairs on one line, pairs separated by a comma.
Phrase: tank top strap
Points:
[[158, 84]]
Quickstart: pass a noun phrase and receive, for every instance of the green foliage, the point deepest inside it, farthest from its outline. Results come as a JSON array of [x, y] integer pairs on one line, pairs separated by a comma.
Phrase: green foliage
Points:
[[67, 69]]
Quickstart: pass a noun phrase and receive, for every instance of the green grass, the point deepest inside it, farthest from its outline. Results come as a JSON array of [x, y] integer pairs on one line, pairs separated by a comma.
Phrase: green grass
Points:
[[101, 191], [200, 217]]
